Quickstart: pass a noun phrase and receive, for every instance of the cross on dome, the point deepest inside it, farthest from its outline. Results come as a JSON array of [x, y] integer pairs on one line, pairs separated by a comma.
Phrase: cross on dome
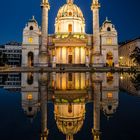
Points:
[[70, 1], [95, 1]]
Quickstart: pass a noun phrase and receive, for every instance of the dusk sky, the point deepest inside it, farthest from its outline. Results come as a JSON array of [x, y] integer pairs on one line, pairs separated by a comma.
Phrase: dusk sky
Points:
[[14, 14]]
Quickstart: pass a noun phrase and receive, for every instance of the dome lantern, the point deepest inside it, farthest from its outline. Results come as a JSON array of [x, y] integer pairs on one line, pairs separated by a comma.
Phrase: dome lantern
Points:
[[69, 1]]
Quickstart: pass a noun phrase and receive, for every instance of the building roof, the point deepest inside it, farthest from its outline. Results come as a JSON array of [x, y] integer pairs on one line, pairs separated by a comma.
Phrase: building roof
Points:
[[13, 43], [33, 20], [128, 41]]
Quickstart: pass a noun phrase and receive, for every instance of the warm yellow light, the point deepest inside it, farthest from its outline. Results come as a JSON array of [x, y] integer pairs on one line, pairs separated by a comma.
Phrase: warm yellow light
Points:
[[30, 40], [29, 96], [121, 57], [121, 77], [109, 41], [109, 95]]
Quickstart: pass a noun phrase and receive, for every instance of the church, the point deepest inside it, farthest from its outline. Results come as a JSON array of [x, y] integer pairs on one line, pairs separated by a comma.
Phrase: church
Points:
[[70, 45]]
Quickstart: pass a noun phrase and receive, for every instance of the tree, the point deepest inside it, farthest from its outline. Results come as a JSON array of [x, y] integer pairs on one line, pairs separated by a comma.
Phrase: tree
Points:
[[135, 56], [136, 81]]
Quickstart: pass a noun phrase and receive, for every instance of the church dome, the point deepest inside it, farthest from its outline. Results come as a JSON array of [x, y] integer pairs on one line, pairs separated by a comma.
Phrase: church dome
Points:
[[69, 117], [70, 19], [70, 10]]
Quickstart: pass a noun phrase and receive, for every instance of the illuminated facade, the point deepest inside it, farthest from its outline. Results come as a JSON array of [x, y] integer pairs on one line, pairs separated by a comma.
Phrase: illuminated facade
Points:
[[125, 50], [69, 45], [69, 93]]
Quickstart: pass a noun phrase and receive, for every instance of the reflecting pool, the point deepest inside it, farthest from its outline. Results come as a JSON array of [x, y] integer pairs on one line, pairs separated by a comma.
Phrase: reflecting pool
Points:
[[69, 106]]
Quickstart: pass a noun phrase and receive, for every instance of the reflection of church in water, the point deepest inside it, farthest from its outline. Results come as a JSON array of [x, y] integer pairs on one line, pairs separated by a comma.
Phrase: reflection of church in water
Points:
[[69, 45], [70, 92]]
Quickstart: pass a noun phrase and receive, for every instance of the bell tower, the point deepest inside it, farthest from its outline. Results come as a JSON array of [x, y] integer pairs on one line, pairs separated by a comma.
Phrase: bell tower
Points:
[[96, 52], [30, 43], [43, 52]]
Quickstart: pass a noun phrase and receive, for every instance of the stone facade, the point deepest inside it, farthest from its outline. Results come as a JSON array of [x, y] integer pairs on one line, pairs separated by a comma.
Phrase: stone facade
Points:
[[70, 45], [30, 44], [125, 50]]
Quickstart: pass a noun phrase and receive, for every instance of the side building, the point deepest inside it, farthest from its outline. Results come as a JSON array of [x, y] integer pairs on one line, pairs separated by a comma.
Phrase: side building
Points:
[[13, 53], [125, 51], [10, 54]]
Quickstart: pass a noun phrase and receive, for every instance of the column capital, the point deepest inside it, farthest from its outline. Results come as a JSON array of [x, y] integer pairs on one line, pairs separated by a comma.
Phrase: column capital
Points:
[[45, 4], [96, 134], [95, 5]]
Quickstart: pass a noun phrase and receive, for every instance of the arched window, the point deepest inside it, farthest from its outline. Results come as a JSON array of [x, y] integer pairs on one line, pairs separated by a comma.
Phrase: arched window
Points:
[[70, 13], [108, 29], [31, 28], [70, 108], [109, 79], [29, 96], [30, 59], [30, 78], [70, 28]]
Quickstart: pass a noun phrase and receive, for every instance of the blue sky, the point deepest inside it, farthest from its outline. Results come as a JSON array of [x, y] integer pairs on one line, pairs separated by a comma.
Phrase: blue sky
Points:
[[14, 14]]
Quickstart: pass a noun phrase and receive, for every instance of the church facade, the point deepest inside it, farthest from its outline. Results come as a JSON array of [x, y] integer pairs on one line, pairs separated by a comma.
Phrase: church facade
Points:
[[70, 44]]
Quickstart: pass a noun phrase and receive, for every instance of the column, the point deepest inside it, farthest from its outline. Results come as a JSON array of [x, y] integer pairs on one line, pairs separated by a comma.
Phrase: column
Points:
[[96, 52], [96, 111], [43, 104], [43, 55]]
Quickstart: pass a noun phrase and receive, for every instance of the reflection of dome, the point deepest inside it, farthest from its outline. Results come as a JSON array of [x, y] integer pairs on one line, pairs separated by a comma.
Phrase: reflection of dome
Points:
[[69, 117], [70, 19]]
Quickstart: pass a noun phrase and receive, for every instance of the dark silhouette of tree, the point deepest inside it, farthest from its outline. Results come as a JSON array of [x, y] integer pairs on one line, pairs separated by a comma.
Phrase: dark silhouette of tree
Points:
[[135, 56], [5, 59], [136, 81], [1, 59]]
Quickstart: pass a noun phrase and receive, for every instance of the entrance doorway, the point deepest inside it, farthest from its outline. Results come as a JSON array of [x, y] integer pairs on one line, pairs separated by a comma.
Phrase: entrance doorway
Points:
[[70, 59], [109, 60]]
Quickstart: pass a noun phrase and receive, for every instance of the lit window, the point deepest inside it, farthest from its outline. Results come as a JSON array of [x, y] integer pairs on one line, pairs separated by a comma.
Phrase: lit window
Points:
[[29, 96], [70, 13], [109, 41], [109, 95], [30, 40], [70, 27]]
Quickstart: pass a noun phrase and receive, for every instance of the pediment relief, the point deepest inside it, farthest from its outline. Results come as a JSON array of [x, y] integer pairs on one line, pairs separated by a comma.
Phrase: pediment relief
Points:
[[70, 39]]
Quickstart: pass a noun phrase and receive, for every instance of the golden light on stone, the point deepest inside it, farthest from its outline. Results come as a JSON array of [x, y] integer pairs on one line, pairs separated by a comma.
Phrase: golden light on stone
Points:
[[109, 95], [30, 40], [109, 41], [29, 96]]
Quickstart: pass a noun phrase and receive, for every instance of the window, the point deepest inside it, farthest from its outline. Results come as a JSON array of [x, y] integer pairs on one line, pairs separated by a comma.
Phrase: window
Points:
[[109, 95], [70, 76], [70, 13], [31, 28], [109, 41], [108, 29], [70, 28], [30, 40]]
